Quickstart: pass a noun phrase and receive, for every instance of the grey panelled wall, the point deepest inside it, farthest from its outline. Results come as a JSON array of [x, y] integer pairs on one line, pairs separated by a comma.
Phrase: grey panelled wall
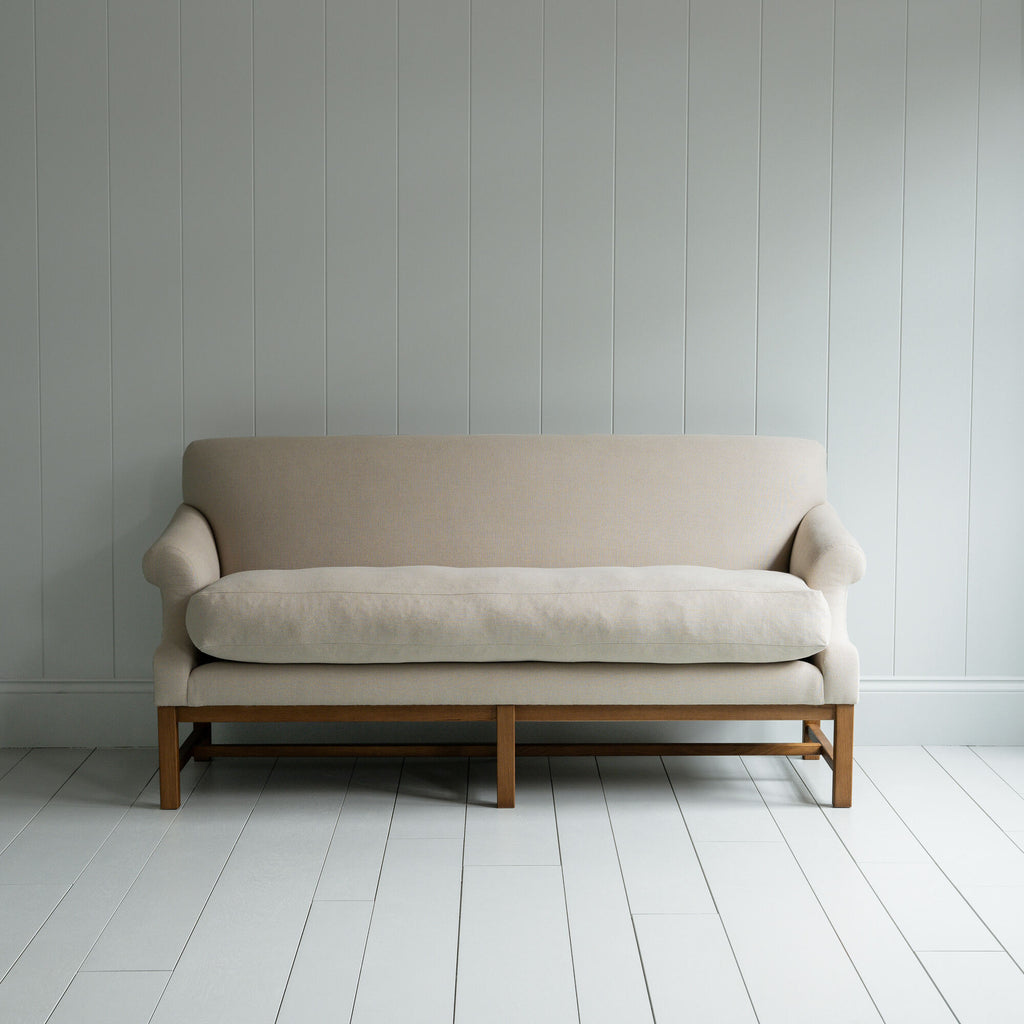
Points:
[[221, 217]]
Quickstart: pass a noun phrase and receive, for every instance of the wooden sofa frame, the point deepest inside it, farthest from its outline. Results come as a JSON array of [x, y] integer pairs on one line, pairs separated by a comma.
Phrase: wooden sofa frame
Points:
[[838, 753]]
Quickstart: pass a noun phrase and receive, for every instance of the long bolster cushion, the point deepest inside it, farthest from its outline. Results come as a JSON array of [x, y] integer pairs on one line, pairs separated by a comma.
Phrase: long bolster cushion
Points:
[[358, 614]]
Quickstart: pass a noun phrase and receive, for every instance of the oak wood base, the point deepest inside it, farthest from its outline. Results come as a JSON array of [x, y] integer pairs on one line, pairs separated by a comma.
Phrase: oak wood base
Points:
[[838, 753]]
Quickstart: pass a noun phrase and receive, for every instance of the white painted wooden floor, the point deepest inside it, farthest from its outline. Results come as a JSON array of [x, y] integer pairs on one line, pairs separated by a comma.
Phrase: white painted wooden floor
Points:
[[620, 890]]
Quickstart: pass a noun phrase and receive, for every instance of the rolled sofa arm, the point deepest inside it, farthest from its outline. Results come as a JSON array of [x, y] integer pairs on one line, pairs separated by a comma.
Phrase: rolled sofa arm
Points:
[[182, 561], [827, 558]]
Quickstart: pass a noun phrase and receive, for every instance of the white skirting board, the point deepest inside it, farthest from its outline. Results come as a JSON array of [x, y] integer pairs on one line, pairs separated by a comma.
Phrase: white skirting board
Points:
[[120, 713]]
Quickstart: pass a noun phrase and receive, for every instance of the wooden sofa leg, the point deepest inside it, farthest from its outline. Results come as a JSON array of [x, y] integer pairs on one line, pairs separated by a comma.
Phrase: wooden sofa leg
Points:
[[809, 737], [506, 755], [842, 744], [170, 767]]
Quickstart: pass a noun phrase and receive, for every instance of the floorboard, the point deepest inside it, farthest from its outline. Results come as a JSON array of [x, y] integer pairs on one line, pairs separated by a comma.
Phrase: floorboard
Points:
[[30, 783], [659, 864], [414, 930], [1006, 762], [110, 997], [431, 799], [352, 868], [9, 757], [326, 968], [524, 834], [691, 971], [25, 908], [610, 985], [719, 809], [981, 987], [996, 797], [514, 958], [928, 909]]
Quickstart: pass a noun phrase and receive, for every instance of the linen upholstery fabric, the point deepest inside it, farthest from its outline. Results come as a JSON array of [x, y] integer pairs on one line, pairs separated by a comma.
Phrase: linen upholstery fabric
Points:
[[510, 682], [296, 503], [826, 556], [181, 562], [731, 502], [662, 614]]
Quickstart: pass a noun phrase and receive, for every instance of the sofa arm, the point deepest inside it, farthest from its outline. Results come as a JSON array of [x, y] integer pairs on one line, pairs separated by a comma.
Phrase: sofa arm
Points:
[[827, 558], [182, 561], [824, 552]]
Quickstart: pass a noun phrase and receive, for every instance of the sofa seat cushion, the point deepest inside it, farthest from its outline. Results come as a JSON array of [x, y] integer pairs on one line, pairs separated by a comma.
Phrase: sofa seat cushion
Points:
[[672, 614]]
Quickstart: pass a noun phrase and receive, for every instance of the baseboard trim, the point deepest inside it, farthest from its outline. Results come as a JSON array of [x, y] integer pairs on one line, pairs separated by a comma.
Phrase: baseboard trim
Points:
[[76, 713], [91, 686], [942, 684], [982, 710]]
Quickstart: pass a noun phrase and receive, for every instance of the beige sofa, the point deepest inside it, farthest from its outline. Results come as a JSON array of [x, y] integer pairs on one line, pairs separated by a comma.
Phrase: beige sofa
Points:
[[504, 579]]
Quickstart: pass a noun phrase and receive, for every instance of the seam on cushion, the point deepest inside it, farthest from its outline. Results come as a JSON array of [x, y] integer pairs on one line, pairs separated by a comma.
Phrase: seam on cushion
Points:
[[511, 643], [495, 593]]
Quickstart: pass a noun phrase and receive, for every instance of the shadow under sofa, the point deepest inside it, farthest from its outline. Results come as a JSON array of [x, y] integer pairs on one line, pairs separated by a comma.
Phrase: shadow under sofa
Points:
[[289, 507]]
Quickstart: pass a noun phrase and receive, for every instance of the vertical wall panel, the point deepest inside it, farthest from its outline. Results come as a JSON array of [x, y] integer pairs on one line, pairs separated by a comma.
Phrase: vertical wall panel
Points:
[[579, 154], [997, 481], [216, 186], [650, 215], [793, 234], [506, 168], [362, 224], [20, 566], [433, 210], [288, 177], [74, 332], [864, 327], [935, 373], [145, 290], [721, 216]]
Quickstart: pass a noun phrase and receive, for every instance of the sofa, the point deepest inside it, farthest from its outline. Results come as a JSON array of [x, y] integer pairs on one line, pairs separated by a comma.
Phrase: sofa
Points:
[[504, 579]]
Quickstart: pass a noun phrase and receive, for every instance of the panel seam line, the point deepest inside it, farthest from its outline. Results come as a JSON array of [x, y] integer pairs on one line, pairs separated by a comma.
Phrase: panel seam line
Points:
[[110, 358], [899, 351], [974, 331], [39, 349]]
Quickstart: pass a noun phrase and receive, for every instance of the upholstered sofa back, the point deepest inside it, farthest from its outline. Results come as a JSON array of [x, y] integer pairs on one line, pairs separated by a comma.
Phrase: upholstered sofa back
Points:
[[302, 502]]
